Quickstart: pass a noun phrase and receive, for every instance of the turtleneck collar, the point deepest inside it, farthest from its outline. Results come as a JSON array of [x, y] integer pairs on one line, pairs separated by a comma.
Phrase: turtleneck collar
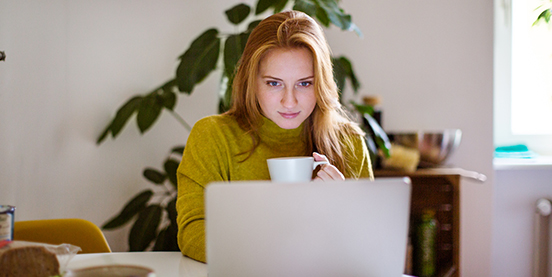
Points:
[[271, 132]]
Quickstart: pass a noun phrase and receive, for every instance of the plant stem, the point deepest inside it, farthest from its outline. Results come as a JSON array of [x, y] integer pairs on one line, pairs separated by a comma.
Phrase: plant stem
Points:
[[181, 120]]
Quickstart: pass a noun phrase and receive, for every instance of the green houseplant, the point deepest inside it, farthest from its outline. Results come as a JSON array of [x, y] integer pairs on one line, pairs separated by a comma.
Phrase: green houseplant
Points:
[[153, 210], [545, 12]]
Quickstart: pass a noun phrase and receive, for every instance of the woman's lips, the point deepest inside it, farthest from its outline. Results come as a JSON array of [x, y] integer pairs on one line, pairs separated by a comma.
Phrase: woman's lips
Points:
[[289, 115]]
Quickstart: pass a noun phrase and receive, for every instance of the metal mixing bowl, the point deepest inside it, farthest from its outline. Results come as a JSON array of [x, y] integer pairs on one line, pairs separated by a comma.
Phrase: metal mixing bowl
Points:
[[435, 147]]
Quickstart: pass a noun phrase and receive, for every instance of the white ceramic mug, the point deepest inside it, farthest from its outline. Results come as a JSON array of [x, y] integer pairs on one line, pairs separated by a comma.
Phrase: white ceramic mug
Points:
[[292, 169]]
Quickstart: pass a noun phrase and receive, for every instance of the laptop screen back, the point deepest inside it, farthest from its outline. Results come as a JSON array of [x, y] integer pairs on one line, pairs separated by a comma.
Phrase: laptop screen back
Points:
[[341, 228]]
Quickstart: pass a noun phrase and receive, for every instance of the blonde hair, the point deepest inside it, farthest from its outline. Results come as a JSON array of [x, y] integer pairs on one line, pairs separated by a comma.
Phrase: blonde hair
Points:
[[328, 129]]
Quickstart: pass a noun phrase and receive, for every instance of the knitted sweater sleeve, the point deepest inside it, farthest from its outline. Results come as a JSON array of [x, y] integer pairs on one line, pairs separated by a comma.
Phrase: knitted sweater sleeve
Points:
[[202, 163]]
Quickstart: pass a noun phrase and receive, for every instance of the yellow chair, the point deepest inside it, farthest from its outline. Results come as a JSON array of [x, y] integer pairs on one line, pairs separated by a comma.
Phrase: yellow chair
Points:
[[79, 232]]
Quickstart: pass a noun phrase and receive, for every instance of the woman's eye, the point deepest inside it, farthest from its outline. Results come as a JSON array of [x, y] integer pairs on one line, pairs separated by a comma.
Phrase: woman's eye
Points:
[[272, 83], [305, 84]]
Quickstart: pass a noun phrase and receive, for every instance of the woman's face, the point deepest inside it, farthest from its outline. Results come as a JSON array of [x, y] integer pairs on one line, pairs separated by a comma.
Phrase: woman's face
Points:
[[285, 86]]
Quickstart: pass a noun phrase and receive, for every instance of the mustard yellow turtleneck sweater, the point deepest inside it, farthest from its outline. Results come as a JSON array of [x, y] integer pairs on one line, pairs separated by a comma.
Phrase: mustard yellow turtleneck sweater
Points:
[[211, 154]]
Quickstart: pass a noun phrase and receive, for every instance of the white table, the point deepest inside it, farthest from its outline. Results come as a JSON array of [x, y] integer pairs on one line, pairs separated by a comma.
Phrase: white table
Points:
[[165, 264]]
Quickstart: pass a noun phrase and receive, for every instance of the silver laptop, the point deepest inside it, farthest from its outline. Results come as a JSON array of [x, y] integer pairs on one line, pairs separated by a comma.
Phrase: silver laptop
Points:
[[341, 228]]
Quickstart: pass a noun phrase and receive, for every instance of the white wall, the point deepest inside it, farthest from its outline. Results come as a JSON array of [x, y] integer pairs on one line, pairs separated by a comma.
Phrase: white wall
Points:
[[516, 193], [70, 64]]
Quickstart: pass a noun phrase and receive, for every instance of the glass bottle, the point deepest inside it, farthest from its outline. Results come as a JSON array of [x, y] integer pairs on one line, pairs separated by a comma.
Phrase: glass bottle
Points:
[[426, 235]]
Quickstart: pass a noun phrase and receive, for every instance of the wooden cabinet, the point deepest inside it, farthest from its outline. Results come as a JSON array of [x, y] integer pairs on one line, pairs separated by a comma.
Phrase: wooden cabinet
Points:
[[440, 192]]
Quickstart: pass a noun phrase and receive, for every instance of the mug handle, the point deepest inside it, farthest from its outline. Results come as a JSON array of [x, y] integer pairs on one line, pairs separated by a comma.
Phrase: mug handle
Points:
[[315, 164]]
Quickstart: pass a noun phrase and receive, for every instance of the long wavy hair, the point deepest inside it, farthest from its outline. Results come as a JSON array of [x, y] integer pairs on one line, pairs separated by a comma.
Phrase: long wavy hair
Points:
[[328, 129]]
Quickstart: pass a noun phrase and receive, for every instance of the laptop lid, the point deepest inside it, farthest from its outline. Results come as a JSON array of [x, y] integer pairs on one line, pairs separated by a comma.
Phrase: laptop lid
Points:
[[340, 228]]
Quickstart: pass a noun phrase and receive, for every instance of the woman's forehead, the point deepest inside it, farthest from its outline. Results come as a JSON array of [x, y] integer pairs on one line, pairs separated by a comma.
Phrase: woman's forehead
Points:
[[287, 61]]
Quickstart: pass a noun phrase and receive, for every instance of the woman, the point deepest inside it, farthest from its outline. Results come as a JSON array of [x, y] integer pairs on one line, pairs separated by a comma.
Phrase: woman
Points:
[[284, 103]]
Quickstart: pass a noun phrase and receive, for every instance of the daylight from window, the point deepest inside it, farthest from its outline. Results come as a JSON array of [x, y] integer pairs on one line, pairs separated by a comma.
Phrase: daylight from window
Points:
[[531, 110]]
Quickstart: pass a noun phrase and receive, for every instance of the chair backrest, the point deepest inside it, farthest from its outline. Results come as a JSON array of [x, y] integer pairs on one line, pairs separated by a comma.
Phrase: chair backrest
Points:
[[79, 232]]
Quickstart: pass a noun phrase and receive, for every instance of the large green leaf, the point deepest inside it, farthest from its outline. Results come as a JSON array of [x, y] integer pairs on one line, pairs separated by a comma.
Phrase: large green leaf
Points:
[[121, 117], [198, 61], [171, 165], [276, 5], [339, 75], [171, 210], [178, 150], [160, 241], [363, 109], [356, 29], [346, 67], [374, 132], [133, 207], [335, 15], [166, 240], [252, 25], [380, 136], [343, 70], [168, 96], [233, 49], [322, 16], [168, 99], [171, 242], [226, 93], [306, 6], [154, 175], [144, 230], [262, 6], [355, 83], [104, 134], [124, 113], [149, 110], [279, 5], [238, 13]]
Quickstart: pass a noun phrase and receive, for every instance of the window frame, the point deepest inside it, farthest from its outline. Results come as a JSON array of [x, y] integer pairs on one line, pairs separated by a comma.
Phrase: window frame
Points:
[[503, 135]]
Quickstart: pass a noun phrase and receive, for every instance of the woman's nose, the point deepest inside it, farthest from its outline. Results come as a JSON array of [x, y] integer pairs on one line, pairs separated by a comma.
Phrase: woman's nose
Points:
[[289, 100]]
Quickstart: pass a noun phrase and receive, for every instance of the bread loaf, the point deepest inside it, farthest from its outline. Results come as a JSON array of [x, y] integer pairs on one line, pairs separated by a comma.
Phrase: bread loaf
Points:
[[19, 258]]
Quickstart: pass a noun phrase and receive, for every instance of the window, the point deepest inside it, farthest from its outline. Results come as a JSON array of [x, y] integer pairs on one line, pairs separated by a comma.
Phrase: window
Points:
[[523, 76]]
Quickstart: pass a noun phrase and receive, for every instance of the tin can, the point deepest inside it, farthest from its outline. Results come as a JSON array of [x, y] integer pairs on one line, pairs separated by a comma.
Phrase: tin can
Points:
[[6, 222]]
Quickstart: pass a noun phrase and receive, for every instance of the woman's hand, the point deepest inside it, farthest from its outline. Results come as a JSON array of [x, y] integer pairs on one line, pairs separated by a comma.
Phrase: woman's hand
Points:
[[327, 171]]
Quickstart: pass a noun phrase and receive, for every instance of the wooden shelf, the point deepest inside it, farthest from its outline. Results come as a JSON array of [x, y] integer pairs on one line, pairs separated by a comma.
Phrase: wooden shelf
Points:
[[439, 191], [433, 171]]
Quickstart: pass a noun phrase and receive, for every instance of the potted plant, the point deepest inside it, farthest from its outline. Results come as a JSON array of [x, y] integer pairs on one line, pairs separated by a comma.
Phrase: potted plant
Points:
[[153, 210]]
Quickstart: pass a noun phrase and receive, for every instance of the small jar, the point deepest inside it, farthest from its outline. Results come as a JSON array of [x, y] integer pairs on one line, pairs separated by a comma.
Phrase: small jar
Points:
[[6, 222]]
